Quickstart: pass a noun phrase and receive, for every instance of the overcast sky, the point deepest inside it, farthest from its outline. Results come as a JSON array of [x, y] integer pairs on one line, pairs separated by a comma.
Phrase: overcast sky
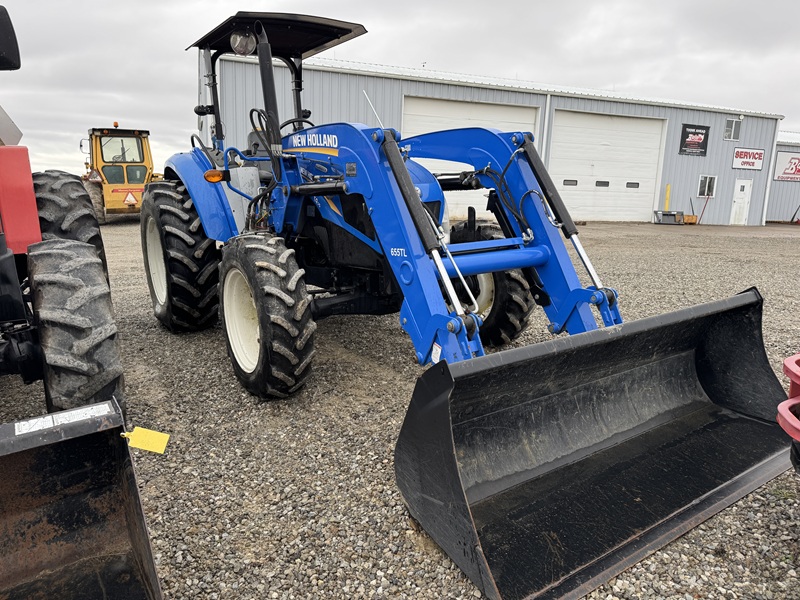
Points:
[[89, 63]]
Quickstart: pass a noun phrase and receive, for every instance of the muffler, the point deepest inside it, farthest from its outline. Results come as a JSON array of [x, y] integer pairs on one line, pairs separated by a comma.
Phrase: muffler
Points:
[[546, 470]]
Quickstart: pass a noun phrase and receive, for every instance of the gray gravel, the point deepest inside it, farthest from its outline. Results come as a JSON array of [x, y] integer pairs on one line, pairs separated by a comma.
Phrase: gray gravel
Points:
[[296, 499]]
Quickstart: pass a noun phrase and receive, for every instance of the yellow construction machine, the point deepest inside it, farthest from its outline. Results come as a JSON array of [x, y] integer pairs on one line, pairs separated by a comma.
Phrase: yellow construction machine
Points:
[[118, 168]]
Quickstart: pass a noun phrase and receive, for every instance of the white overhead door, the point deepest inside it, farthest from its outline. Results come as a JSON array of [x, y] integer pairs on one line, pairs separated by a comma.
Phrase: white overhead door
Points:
[[606, 167], [424, 115]]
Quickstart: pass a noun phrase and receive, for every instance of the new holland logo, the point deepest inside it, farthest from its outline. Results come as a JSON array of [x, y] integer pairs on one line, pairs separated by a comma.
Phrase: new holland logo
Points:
[[320, 143]]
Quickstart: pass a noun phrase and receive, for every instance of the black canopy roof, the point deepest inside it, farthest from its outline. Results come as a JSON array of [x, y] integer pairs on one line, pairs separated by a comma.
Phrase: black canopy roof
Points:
[[290, 36]]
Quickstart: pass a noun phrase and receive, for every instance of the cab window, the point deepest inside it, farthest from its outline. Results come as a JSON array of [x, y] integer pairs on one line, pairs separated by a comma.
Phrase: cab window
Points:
[[114, 174], [116, 149], [136, 173]]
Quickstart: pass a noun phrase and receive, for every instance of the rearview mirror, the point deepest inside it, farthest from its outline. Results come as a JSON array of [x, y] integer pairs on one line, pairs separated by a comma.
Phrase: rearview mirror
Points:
[[9, 49]]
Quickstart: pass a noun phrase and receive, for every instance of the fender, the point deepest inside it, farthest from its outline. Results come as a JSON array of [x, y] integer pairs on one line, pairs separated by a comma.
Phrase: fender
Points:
[[209, 198], [18, 215]]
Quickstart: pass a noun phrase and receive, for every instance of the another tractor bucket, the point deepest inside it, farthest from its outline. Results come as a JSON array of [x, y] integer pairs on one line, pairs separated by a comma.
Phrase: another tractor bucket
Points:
[[546, 470], [71, 523]]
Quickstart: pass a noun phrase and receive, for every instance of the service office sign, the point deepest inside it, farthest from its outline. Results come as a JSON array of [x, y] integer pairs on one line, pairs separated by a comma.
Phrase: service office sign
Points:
[[748, 158], [787, 166]]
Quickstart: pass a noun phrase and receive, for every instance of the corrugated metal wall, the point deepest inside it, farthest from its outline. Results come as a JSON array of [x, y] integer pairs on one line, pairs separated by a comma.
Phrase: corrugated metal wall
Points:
[[784, 196], [336, 97]]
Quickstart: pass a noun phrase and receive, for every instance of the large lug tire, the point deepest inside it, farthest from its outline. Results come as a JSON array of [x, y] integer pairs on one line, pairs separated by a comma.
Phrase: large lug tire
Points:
[[95, 191], [180, 261], [66, 211], [266, 315], [504, 298], [75, 319]]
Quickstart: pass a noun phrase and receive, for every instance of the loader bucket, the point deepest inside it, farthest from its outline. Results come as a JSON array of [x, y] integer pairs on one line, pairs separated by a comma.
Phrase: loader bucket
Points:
[[71, 523], [546, 470]]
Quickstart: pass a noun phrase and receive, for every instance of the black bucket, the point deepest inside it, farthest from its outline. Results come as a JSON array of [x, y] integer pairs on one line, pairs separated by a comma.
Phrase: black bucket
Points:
[[71, 523], [546, 470]]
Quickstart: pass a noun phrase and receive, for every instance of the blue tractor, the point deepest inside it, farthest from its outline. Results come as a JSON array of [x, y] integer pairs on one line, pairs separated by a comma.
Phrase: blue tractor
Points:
[[540, 470]]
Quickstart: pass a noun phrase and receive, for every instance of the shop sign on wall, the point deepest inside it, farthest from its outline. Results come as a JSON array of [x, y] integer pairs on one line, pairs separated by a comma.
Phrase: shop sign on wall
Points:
[[787, 166], [694, 140], [748, 158]]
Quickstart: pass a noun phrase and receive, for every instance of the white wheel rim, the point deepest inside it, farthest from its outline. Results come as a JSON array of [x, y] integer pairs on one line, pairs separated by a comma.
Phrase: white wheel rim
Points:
[[485, 297], [241, 320], [155, 261]]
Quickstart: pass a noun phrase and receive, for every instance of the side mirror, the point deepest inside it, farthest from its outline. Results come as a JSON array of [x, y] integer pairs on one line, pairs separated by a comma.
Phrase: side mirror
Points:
[[9, 49], [85, 150]]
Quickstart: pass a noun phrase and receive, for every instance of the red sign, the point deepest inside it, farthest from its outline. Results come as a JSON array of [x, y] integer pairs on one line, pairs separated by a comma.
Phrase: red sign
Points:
[[748, 158], [787, 167]]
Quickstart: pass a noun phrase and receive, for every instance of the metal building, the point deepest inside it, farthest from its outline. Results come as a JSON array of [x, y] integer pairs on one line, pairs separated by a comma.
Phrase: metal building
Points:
[[784, 199], [614, 158]]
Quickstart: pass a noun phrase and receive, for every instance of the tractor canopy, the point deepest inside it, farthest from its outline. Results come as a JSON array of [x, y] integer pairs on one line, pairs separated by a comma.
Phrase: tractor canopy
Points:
[[290, 36]]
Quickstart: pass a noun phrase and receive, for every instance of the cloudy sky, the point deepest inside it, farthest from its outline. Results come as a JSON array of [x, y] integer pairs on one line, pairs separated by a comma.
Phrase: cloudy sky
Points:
[[87, 63]]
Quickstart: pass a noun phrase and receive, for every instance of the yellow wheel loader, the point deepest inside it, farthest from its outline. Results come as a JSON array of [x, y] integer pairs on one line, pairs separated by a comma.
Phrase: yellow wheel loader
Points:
[[119, 166]]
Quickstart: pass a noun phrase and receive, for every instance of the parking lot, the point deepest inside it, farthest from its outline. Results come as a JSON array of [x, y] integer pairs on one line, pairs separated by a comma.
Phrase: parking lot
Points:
[[296, 498]]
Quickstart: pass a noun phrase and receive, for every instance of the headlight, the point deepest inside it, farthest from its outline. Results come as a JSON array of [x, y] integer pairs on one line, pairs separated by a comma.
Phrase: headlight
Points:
[[243, 44]]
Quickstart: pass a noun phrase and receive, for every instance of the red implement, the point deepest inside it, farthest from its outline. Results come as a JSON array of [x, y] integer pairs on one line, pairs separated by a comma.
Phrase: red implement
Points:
[[789, 410]]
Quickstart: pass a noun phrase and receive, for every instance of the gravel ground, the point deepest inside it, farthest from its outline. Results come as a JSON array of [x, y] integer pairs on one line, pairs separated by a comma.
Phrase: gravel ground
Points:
[[296, 498]]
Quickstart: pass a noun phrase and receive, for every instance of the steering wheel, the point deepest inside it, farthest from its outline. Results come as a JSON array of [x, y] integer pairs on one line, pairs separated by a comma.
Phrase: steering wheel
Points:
[[290, 121]]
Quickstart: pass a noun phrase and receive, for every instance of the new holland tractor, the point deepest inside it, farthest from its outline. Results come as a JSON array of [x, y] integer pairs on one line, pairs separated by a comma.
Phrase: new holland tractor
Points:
[[71, 523], [540, 470]]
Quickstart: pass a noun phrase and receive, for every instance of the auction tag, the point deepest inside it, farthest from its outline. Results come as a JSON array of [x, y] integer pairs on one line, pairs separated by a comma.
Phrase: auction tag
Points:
[[147, 439]]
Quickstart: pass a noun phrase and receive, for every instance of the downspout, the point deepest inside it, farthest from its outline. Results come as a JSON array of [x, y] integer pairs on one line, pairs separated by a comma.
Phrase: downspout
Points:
[[771, 173], [544, 142]]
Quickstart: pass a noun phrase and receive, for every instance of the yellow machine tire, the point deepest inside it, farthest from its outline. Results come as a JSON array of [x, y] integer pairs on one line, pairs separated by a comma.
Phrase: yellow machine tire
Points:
[[95, 191]]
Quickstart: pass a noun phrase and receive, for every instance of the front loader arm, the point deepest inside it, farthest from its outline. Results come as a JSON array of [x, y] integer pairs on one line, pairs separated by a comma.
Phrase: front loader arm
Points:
[[508, 163]]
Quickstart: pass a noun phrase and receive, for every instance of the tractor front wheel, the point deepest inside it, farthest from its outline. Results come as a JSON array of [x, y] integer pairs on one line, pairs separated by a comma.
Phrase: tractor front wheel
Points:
[[504, 297], [180, 261], [266, 315], [75, 319]]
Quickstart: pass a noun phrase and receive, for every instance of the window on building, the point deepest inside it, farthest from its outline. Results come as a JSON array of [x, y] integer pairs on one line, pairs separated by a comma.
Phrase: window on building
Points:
[[707, 185], [732, 129], [601, 184], [632, 185], [570, 182]]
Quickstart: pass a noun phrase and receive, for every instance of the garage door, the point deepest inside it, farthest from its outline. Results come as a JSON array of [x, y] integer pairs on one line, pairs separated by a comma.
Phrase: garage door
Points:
[[606, 167], [423, 115]]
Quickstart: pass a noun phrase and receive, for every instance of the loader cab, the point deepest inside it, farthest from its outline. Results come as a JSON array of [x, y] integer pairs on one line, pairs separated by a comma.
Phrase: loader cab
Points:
[[118, 167]]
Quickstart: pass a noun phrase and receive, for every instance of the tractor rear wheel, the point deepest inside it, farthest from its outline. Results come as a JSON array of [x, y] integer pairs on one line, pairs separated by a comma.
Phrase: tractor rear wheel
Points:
[[75, 320], [180, 261], [66, 211], [266, 315], [504, 297]]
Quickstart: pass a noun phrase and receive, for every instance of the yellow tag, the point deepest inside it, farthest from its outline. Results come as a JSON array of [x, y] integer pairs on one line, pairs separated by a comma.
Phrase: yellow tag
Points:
[[147, 439]]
